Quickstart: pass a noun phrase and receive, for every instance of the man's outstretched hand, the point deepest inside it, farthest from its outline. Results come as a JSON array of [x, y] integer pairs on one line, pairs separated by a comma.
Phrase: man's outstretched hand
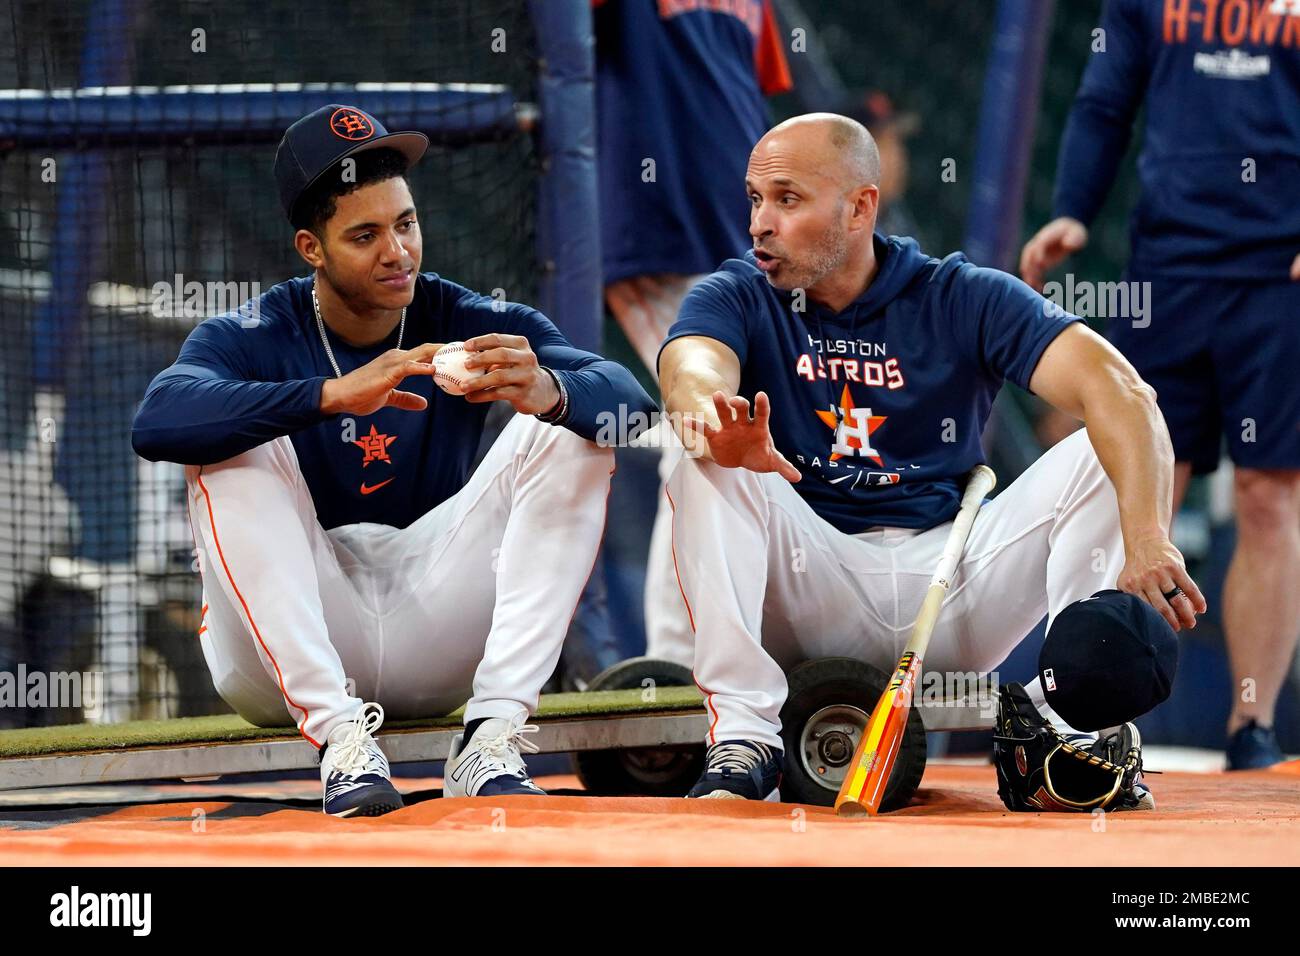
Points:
[[740, 441]]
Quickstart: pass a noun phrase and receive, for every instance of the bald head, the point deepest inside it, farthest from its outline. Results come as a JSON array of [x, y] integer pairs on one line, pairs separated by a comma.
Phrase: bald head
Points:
[[834, 146], [813, 185]]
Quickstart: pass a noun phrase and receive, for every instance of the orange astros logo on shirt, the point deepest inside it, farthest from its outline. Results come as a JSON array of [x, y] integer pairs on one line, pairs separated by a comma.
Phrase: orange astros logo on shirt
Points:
[[853, 429], [375, 445]]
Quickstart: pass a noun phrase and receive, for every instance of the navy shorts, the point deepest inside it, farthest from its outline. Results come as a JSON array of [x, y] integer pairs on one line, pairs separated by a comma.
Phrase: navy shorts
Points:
[[1224, 359]]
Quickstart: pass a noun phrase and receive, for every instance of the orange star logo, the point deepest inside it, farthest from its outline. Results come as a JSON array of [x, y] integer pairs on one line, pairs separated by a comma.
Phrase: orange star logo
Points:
[[850, 436], [375, 445]]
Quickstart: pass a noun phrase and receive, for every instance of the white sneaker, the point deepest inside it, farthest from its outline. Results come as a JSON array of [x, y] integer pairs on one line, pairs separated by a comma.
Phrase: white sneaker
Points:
[[354, 771], [491, 766]]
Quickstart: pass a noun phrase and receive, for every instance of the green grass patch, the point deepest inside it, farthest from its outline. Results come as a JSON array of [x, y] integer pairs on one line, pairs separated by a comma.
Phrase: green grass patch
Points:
[[228, 728]]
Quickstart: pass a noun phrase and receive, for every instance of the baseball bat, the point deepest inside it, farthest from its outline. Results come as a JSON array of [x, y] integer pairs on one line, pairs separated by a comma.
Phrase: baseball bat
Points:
[[864, 785]]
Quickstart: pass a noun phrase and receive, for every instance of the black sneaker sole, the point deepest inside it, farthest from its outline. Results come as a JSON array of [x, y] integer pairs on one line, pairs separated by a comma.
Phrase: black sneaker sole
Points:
[[377, 809]]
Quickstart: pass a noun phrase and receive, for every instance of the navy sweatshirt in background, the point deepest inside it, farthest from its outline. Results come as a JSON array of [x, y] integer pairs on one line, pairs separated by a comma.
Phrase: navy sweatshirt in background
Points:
[[1220, 80]]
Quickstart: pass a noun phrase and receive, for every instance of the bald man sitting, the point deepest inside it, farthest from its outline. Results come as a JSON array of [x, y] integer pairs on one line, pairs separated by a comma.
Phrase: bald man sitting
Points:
[[831, 388]]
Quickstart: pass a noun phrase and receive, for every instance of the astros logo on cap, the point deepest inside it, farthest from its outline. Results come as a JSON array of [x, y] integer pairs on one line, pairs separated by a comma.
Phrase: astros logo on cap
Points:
[[348, 123]]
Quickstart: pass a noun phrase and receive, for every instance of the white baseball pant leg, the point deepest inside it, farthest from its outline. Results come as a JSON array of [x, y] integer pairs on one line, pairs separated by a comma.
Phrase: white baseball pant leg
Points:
[[754, 559], [471, 600], [646, 308], [668, 632]]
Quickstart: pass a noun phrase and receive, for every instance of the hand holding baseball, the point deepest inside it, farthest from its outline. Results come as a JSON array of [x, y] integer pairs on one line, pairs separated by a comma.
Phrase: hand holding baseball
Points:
[[451, 367], [374, 385], [513, 374]]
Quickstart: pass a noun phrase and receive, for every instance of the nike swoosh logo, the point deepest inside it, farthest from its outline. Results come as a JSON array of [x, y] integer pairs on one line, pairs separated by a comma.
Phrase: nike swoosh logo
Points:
[[367, 489]]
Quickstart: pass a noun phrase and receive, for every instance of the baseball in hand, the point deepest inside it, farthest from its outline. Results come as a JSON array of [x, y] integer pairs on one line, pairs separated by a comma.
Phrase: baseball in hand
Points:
[[449, 369]]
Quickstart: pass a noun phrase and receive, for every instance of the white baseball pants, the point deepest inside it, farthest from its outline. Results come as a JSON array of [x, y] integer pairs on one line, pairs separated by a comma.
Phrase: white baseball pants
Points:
[[471, 601], [768, 584], [646, 307]]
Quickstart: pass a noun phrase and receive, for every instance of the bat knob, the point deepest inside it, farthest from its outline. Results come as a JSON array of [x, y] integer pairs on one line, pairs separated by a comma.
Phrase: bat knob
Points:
[[852, 810]]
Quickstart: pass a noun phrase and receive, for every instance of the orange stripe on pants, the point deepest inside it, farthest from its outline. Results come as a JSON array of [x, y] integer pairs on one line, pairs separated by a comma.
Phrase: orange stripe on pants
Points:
[[212, 522], [708, 697]]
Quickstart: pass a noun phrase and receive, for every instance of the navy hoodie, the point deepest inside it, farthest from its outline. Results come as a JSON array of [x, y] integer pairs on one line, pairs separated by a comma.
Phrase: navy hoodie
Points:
[[238, 383], [882, 405]]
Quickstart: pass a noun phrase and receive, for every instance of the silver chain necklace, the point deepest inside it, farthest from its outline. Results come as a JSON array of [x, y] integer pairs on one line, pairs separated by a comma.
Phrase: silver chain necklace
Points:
[[320, 327]]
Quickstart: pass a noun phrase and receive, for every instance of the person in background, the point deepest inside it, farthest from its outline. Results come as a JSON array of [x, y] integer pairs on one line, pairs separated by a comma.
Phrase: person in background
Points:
[[680, 101], [1216, 242], [891, 130]]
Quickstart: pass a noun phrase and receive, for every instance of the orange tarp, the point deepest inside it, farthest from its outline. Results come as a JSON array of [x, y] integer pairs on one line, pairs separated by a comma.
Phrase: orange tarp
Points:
[[1242, 819]]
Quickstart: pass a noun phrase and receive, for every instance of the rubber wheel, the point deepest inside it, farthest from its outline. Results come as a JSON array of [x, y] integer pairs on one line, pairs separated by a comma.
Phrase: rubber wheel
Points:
[[828, 704], [641, 771]]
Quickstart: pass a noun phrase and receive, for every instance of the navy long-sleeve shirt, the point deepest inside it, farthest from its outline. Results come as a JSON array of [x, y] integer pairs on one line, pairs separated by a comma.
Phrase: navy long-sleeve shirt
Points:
[[1220, 162], [238, 383]]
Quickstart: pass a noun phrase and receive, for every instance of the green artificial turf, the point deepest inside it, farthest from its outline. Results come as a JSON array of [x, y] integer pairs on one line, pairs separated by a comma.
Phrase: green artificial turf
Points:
[[76, 738]]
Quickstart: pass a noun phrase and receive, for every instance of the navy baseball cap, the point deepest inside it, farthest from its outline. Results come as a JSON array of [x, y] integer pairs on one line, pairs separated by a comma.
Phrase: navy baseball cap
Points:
[[319, 140], [1107, 659]]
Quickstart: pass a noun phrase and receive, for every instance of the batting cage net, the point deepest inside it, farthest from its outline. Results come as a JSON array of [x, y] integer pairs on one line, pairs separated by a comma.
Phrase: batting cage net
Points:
[[136, 147]]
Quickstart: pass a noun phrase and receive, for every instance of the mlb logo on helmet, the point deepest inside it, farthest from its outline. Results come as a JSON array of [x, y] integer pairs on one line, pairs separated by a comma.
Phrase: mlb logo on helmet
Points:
[[1049, 679]]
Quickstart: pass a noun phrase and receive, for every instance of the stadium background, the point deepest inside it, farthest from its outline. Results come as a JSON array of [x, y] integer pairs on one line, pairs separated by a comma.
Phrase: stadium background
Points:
[[109, 556]]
